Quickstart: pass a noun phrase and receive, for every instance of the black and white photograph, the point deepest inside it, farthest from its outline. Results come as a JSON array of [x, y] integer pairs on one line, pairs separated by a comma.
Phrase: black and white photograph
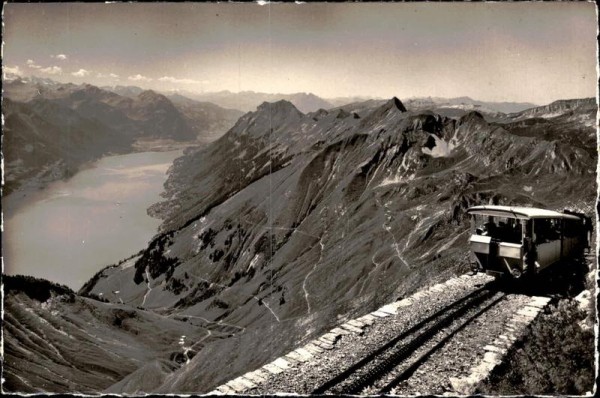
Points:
[[300, 198]]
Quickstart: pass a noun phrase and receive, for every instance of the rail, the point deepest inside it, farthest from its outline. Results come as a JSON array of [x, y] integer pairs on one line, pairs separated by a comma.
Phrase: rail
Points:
[[375, 366]]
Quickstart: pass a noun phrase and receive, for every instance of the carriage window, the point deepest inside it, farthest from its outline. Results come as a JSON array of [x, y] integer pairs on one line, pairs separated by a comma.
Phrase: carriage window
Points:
[[540, 228], [572, 229], [555, 228], [502, 228], [547, 229]]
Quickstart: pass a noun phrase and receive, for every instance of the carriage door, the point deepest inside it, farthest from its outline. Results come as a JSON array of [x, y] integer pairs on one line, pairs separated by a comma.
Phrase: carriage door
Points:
[[548, 240], [570, 237]]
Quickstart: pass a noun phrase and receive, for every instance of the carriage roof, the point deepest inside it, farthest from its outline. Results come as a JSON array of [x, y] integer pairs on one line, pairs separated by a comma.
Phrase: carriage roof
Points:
[[518, 212]]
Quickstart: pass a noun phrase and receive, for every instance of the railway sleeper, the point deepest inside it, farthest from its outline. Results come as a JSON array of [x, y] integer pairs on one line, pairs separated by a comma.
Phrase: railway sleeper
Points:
[[515, 329], [431, 326], [414, 365]]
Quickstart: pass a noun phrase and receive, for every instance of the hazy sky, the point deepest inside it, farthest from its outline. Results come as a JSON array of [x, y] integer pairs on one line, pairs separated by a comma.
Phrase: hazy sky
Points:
[[535, 52]]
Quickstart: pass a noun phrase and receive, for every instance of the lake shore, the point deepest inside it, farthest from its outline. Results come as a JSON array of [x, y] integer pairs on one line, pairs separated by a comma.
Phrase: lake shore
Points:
[[31, 189], [75, 227]]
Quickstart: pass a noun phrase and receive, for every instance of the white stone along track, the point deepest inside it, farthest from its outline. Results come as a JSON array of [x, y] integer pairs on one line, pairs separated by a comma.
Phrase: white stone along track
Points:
[[455, 359]]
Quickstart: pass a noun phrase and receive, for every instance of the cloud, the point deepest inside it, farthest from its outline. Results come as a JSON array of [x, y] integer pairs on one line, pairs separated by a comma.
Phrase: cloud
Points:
[[110, 75], [15, 70], [171, 79], [139, 78], [62, 57], [52, 70], [81, 73], [31, 63]]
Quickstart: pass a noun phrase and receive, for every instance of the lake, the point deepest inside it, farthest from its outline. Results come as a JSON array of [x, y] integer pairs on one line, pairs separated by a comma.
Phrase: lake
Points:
[[71, 229]]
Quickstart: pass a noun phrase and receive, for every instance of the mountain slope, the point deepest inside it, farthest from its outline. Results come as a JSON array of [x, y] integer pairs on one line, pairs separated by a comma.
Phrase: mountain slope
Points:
[[148, 115], [57, 341], [583, 106], [53, 128], [44, 141], [210, 121], [138, 113], [291, 221]]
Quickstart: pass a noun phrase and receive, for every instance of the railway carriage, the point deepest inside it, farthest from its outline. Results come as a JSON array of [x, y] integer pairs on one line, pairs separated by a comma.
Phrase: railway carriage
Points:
[[517, 241]]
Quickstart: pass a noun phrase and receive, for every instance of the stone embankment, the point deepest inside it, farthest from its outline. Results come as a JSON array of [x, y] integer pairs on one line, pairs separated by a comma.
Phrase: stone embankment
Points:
[[456, 368]]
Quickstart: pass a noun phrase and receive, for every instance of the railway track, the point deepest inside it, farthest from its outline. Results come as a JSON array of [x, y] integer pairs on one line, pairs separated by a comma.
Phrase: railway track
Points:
[[400, 357]]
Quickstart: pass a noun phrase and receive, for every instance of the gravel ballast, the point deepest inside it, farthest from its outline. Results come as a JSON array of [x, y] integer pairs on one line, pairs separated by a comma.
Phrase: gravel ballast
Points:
[[464, 343]]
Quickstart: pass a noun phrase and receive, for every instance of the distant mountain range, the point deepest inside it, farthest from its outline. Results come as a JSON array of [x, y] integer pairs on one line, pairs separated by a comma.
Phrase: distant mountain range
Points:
[[248, 100], [46, 141], [468, 103], [52, 128], [125, 91], [449, 107], [122, 115], [307, 102]]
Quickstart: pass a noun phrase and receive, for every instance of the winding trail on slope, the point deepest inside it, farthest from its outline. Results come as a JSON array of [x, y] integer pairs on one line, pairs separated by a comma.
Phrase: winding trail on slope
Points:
[[264, 302], [209, 333], [220, 322], [225, 287], [148, 280], [185, 348], [314, 268], [366, 278], [388, 229], [321, 244], [306, 294]]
